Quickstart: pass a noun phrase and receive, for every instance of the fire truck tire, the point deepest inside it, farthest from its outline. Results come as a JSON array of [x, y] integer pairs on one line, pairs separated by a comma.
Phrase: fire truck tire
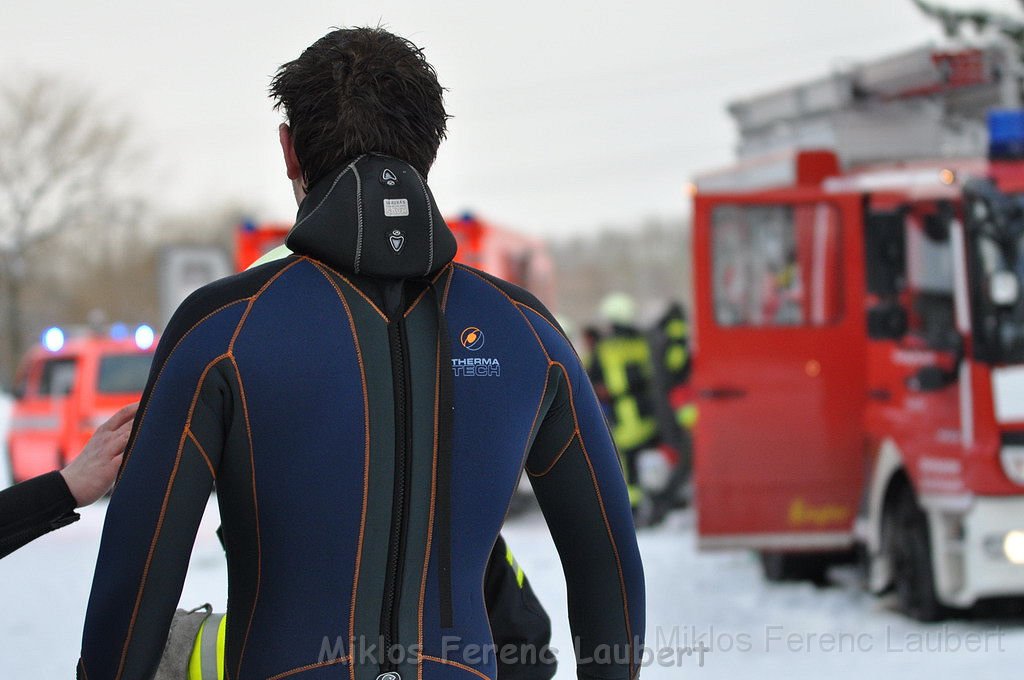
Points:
[[780, 567], [909, 549]]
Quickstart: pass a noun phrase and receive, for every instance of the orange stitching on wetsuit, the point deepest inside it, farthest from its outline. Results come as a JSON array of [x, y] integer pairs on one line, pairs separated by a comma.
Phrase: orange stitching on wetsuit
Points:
[[430, 515], [321, 265], [516, 307], [366, 462], [252, 301], [549, 468], [156, 382], [546, 320], [575, 422], [309, 667], [447, 286], [424, 292], [160, 518], [522, 465], [558, 330], [607, 524], [536, 415], [256, 513], [202, 452], [454, 664]]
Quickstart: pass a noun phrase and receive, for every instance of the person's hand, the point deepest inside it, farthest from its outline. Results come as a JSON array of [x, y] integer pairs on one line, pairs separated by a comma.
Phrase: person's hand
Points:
[[92, 473]]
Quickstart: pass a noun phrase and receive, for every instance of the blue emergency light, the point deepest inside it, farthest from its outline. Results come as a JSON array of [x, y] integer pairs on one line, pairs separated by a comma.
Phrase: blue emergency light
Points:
[[53, 339], [119, 331], [144, 337], [1006, 134]]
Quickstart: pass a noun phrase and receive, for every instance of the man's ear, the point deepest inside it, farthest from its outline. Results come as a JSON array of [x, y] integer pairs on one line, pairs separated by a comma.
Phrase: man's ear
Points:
[[291, 161]]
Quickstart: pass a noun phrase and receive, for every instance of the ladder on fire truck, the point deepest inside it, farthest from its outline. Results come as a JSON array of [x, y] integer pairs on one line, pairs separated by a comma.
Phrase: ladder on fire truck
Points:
[[928, 102]]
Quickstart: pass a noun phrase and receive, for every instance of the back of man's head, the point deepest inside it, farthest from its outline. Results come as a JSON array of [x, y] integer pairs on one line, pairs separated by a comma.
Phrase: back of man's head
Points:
[[360, 90]]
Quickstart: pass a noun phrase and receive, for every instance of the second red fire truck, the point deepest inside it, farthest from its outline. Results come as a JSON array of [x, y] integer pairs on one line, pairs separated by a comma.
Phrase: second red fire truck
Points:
[[860, 353]]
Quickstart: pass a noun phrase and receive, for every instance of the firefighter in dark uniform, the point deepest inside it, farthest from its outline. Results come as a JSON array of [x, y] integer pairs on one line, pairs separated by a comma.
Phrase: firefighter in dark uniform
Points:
[[622, 373], [672, 361]]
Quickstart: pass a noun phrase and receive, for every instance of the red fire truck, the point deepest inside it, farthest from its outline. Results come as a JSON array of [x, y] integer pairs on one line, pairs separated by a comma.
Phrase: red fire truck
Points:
[[507, 254], [860, 358], [66, 387]]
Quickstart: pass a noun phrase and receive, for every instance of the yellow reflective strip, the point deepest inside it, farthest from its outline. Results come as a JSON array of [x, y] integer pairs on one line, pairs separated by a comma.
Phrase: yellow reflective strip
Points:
[[636, 495], [676, 328], [221, 636], [195, 661], [675, 357], [520, 575], [212, 662]]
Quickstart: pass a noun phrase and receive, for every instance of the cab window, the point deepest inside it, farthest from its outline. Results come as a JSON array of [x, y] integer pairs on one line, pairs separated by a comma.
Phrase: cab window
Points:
[[20, 383], [776, 265], [123, 373], [929, 283], [57, 377]]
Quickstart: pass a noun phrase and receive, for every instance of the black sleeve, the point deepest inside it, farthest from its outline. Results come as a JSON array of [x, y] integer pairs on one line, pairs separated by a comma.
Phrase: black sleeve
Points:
[[167, 474], [519, 625], [575, 472], [577, 477], [33, 508]]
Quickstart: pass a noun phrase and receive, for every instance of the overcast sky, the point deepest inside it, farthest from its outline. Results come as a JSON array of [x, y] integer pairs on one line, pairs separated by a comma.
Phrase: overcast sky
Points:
[[569, 115]]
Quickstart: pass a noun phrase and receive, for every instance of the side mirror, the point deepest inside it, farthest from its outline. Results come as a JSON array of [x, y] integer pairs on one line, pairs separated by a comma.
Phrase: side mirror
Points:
[[1004, 288], [887, 321], [929, 379]]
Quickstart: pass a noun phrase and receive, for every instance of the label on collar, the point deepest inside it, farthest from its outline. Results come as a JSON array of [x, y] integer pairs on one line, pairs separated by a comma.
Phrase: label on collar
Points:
[[396, 207]]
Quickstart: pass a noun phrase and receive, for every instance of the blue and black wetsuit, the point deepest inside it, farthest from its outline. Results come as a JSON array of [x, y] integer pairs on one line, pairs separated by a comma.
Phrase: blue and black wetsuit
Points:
[[365, 408]]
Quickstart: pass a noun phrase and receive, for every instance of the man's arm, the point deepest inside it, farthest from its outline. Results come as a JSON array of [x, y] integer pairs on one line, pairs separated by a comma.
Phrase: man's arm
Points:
[[519, 625], [575, 473], [34, 508], [164, 485], [47, 502]]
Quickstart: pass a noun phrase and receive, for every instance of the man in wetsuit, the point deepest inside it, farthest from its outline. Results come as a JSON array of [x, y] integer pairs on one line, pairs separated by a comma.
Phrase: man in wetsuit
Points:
[[365, 407]]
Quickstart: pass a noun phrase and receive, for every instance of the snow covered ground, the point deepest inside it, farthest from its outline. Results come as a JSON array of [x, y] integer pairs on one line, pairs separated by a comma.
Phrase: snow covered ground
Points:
[[750, 629], [753, 630]]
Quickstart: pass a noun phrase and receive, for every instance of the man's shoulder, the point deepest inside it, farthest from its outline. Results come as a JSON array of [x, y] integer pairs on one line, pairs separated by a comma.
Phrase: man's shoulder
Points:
[[207, 300], [517, 294]]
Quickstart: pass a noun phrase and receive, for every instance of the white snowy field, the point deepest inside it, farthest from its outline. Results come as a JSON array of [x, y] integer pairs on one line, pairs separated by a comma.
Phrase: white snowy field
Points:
[[753, 630], [717, 601]]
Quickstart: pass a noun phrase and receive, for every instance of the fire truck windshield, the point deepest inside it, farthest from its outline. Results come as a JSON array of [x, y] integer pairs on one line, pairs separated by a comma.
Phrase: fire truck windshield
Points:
[[123, 373], [995, 250]]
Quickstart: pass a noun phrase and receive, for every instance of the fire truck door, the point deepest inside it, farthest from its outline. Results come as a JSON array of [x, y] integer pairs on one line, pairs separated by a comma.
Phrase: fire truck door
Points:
[[779, 371]]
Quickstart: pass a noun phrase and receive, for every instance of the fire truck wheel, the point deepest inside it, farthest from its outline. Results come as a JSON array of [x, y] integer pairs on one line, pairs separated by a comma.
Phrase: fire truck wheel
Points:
[[909, 551], [780, 567]]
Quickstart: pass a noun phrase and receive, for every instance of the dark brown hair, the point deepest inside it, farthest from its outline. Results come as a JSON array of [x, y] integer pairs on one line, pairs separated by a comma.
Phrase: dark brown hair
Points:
[[360, 90]]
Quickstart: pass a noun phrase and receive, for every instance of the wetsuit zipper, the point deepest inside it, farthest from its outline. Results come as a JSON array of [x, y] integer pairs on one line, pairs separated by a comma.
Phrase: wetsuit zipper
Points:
[[400, 502]]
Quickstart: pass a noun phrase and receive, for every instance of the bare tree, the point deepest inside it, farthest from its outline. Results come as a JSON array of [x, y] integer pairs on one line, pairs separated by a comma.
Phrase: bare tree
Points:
[[62, 163], [954, 21]]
